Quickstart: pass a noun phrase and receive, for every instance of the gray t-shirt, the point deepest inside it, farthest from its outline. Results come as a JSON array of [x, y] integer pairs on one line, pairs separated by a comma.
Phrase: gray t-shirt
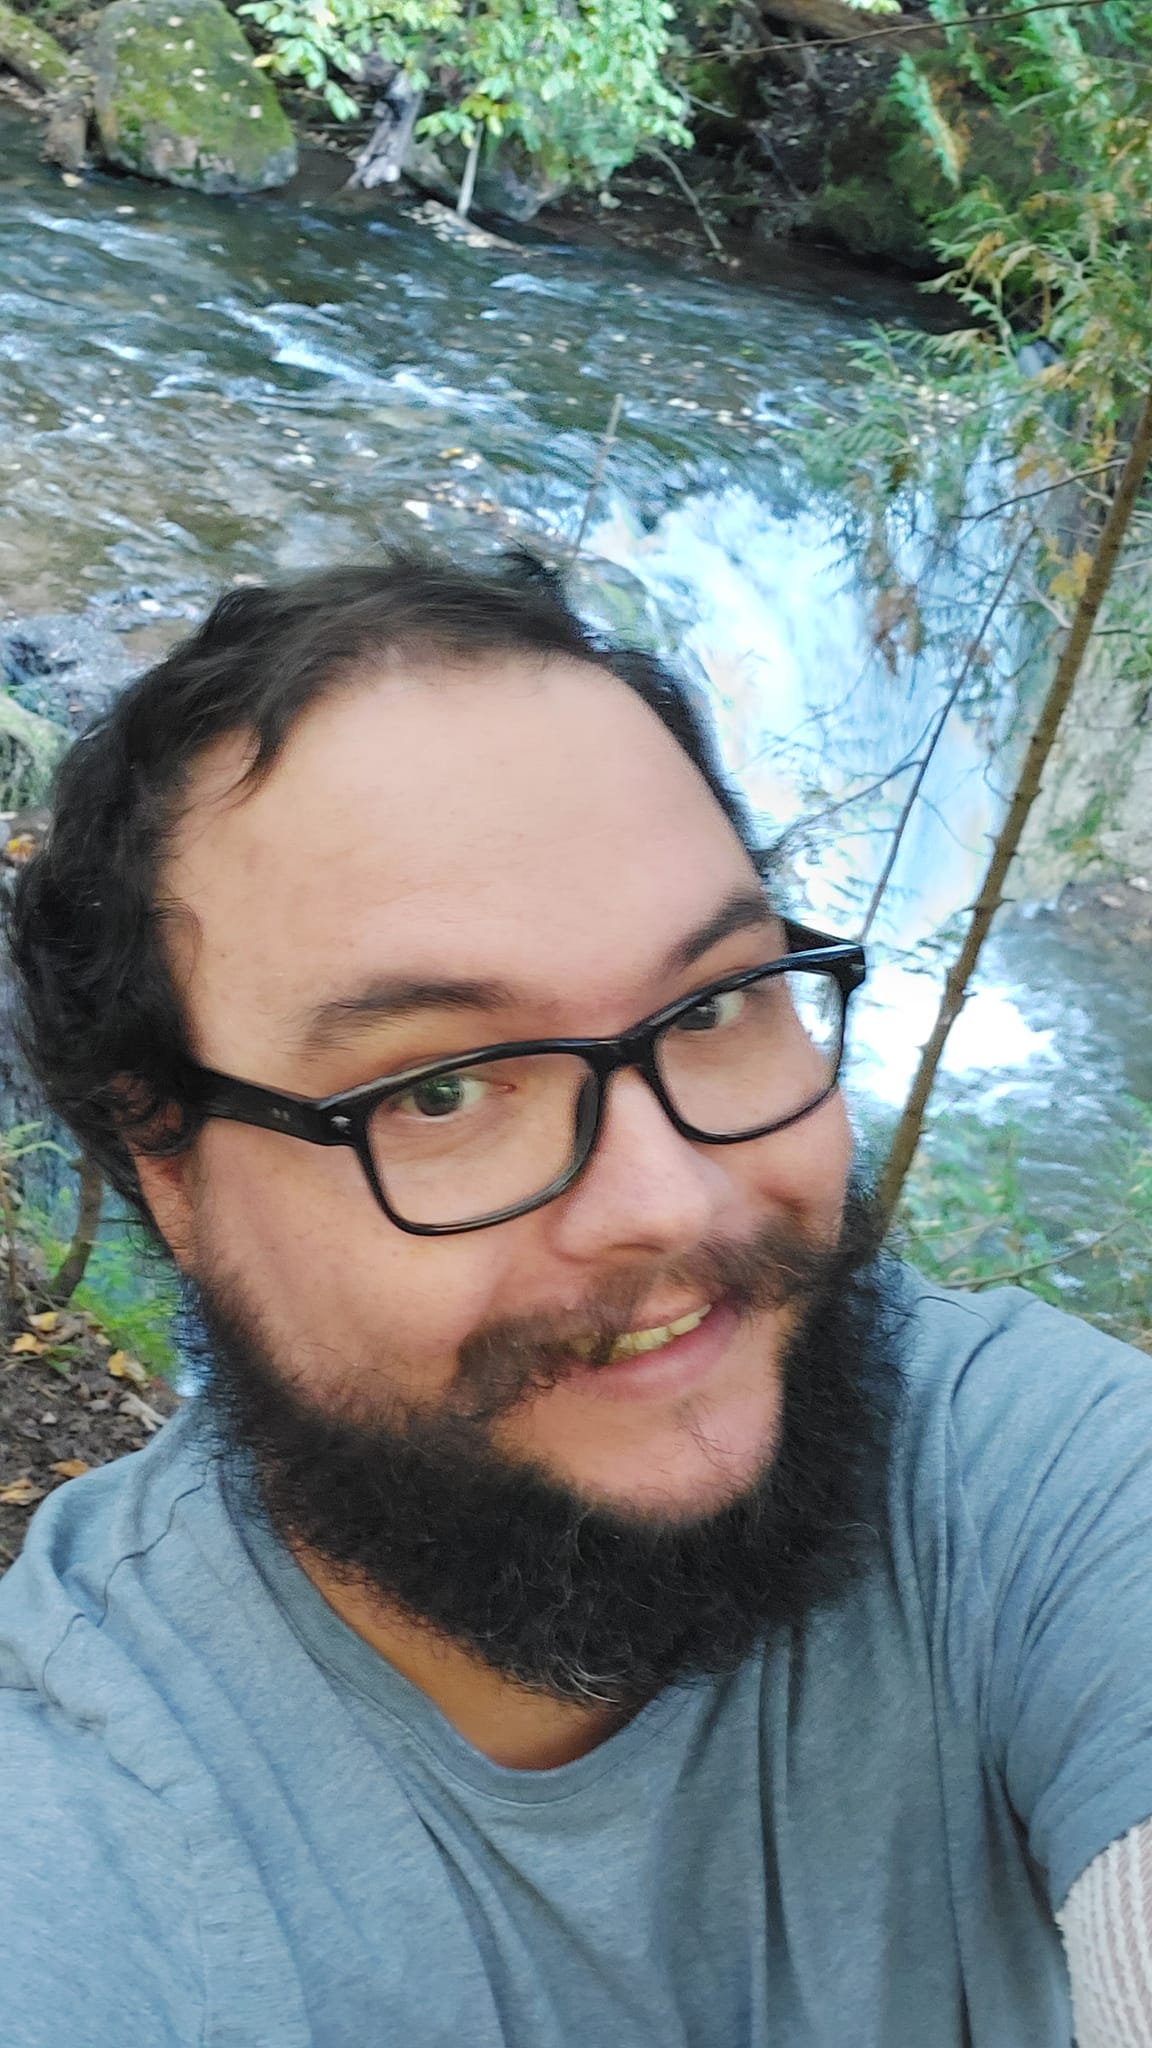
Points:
[[227, 1822]]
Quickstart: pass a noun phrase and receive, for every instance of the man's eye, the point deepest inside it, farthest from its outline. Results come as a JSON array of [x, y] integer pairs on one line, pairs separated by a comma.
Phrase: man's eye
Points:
[[715, 1012], [440, 1095]]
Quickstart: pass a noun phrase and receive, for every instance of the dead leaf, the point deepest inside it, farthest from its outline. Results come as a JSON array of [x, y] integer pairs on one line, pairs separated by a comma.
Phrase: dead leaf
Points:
[[45, 1321], [21, 848], [21, 1493], [25, 1343], [149, 1416], [122, 1367], [71, 1468]]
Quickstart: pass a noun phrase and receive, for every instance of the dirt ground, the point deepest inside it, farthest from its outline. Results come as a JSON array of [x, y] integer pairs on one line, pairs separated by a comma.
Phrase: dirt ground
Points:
[[68, 1402]]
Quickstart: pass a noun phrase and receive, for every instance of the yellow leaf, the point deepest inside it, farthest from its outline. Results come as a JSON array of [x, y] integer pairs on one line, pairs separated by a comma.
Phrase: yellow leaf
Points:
[[21, 848], [27, 1344], [20, 1494], [45, 1321], [122, 1367], [262, 63], [1069, 583], [71, 1468]]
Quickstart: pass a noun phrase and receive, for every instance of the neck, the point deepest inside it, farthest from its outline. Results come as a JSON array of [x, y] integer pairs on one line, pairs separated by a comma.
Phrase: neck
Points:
[[522, 1730]]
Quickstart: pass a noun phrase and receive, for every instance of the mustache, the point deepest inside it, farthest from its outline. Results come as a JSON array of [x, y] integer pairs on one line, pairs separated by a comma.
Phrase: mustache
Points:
[[503, 1363]]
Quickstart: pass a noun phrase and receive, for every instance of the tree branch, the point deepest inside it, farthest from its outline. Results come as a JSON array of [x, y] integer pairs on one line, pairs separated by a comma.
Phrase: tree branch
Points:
[[910, 30]]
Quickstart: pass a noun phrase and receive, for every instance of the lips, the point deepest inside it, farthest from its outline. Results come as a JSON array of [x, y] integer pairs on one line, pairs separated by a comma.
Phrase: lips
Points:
[[635, 1342], [657, 1367]]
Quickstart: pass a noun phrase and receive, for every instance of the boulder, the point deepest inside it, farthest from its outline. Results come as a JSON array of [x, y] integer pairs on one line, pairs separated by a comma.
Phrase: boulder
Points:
[[179, 97], [30, 748], [63, 669]]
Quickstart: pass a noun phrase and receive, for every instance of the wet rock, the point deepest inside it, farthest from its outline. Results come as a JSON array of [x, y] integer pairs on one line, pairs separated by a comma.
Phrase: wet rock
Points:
[[178, 97], [506, 185], [66, 131], [61, 668]]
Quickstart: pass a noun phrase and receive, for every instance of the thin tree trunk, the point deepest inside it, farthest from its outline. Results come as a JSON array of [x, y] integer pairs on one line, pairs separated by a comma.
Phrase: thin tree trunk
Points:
[[9, 1212], [64, 1283], [1027, 789], [468, 181]]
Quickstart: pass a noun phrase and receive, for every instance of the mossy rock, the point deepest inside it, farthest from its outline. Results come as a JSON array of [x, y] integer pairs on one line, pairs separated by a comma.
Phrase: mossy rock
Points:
[[30, 748], [178, 97], [31, 53]]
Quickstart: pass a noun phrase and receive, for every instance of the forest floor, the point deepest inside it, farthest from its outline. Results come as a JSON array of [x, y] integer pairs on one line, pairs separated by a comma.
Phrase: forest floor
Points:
[[68, 1401]]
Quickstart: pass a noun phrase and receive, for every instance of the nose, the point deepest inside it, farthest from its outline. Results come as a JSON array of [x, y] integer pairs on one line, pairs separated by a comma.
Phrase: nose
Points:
[[645, 1188]]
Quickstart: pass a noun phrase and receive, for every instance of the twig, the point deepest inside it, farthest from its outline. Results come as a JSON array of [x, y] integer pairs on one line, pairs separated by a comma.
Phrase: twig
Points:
[[941, 721], [690, 196], [607, 439], [1042, 1265], [468, 181], [1074, 476]]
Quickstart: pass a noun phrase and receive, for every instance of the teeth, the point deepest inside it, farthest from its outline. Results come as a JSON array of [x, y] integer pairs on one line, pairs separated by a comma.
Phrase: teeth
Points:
[[636, 1341]]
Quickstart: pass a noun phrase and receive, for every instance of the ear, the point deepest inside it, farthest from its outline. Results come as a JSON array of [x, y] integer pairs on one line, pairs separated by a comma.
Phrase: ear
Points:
[[166, 1184]]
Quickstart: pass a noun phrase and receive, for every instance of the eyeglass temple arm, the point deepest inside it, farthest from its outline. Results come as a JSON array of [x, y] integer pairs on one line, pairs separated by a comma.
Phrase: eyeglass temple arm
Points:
[[803, 939], [244, 1102]]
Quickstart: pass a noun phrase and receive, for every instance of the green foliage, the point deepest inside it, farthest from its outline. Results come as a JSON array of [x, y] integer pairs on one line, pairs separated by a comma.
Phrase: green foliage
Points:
[[948, 452], [579, 85], [129, 1289], [966, 1222]]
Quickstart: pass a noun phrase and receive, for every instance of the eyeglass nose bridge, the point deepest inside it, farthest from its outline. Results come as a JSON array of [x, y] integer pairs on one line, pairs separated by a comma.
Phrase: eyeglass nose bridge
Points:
[[635, 1052]]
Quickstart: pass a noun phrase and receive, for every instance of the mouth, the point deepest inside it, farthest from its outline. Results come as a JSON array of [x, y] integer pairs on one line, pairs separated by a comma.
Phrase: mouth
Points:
[[665, 1361], [635, 1342]]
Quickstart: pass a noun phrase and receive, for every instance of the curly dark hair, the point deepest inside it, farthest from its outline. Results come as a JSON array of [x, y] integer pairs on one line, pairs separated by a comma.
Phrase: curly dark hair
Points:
[[99, 1019]]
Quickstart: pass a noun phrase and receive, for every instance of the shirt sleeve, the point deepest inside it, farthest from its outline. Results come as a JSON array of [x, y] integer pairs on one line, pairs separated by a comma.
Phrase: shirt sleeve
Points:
[[1050, 1542], [1106, 1923], [98, 1926]]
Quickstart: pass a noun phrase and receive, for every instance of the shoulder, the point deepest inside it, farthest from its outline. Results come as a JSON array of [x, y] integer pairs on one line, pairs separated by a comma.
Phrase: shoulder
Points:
[[101, 1930], [97, 1897], [88, 1546], [994, 1377]]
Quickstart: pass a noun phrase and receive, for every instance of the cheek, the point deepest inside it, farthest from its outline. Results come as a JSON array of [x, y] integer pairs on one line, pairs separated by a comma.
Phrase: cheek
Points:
[[803, 1170], [334, 1281]]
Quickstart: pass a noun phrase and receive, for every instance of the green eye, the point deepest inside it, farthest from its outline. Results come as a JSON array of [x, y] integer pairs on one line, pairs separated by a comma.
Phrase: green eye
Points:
[[441, 1095]]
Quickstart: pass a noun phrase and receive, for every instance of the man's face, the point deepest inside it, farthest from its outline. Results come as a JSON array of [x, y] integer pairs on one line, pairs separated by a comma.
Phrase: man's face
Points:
[[534, 829]]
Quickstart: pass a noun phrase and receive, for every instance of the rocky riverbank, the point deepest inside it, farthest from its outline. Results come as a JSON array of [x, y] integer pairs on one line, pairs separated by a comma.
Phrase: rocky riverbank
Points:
[[795, 142]]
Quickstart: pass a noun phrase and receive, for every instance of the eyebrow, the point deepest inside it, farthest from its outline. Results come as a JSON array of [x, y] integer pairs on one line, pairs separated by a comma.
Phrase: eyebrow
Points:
[[385, 999]]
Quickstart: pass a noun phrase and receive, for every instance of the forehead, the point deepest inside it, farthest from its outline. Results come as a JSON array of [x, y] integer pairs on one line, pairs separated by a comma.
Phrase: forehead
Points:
[[532, 820]]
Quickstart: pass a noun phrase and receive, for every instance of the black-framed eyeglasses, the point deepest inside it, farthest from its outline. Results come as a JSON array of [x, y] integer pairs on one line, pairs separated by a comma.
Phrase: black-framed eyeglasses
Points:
[[467, 1142]]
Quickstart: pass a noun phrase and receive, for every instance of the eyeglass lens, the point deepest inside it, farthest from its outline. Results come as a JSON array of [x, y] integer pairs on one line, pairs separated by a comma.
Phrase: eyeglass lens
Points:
[[464, 1145]]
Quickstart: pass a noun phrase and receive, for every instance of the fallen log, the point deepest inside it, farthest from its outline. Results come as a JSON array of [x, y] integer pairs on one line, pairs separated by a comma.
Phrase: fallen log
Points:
[[835, 19]]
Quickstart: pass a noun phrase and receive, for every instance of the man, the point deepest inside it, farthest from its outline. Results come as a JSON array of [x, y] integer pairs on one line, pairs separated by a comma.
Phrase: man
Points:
[[593, 1597]]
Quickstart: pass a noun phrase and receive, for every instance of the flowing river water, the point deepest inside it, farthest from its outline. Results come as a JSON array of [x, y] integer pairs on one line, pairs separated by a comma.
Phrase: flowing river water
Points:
[[196, 393]]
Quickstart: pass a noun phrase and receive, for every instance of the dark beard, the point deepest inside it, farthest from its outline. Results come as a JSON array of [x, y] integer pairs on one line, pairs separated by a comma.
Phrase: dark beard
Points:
[[569, 1599]]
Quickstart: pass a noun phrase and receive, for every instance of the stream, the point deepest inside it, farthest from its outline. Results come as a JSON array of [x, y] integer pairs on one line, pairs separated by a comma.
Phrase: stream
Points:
[[195, 393]]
